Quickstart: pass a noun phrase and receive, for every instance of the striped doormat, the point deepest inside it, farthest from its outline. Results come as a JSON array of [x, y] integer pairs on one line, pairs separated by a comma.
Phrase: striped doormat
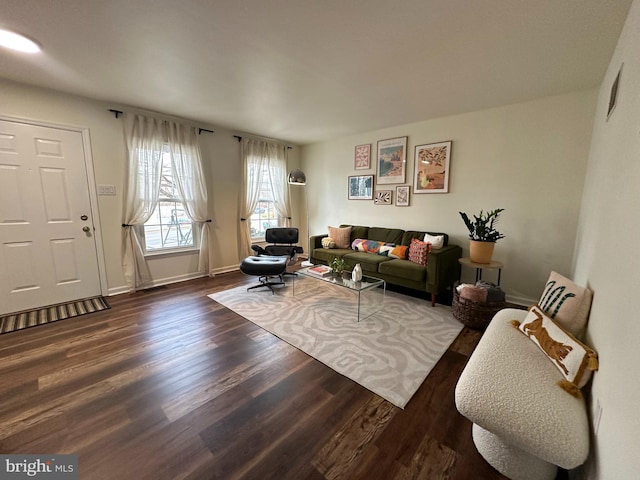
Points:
[[53, 313]]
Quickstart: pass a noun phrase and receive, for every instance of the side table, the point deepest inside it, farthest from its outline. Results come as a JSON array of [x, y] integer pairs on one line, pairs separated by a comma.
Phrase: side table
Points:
[[494, 265]]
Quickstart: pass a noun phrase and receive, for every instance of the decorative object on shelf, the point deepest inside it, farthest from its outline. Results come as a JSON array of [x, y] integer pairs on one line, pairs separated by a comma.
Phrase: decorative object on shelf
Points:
[[362, 159], [356, 273], [432, 165], [383, 197], [361, 187], [338, 265], [392, 160], [328, 242], [402, 196], [482, 234]]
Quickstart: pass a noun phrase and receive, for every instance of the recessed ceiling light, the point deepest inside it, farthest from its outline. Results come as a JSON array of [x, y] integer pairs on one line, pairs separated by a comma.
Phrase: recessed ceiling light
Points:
[[18, 42]]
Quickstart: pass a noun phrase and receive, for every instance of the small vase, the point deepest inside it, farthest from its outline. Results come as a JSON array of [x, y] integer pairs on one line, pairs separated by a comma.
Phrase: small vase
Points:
[[356, 274]]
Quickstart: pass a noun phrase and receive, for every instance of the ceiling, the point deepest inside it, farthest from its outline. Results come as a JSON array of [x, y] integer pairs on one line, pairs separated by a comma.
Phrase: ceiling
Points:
[[305, 71]]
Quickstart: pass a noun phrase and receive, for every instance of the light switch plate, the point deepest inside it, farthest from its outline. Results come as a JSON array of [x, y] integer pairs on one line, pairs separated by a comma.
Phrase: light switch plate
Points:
[[106, 189]]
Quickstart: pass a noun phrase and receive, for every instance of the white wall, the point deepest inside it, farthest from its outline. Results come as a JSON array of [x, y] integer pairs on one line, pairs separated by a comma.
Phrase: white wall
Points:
[[220, 153], [607, 261], [529, 158]]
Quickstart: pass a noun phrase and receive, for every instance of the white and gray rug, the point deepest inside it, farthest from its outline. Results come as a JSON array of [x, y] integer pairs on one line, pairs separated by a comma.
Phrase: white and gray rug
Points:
[[390, 353]]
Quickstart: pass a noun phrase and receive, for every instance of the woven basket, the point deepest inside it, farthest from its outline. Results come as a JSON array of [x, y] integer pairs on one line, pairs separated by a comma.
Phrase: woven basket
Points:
[[473, 314]]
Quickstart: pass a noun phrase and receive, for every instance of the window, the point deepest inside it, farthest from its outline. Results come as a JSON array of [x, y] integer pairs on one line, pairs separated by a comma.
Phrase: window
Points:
[[265, 215], [169, 227]]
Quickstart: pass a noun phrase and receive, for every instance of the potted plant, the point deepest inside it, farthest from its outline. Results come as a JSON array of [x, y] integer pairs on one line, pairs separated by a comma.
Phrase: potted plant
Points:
[[338, 265], [482, 234]]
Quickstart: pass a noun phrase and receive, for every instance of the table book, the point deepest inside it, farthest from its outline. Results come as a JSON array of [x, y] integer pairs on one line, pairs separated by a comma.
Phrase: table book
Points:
[[320, 270]]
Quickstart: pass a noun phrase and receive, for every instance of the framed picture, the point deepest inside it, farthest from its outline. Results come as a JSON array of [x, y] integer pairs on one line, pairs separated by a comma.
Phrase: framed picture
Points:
[[361, 187], [613, 94], [432, 165], [362, 158], [392, 160], [402, 196], [383, 197]]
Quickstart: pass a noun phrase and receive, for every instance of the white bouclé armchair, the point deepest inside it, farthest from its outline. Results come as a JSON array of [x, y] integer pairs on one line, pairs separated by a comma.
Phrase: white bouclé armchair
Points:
[[524, 424]]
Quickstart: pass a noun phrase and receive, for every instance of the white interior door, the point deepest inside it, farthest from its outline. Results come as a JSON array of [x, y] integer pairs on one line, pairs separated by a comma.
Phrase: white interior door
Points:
[[47, 246]]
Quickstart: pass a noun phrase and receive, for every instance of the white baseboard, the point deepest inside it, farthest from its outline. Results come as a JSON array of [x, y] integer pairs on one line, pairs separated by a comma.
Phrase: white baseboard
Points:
[[178, 278], [118, 290], [221, 270], [524, 301], [158, 283]]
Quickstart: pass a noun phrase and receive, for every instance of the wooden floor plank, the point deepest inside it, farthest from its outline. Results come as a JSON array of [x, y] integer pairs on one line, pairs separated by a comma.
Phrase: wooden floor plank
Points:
[[349, 443], [168, 384]]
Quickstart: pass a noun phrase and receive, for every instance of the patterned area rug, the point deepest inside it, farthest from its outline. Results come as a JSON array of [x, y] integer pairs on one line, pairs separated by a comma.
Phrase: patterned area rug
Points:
[[53, 313], [390, 353]]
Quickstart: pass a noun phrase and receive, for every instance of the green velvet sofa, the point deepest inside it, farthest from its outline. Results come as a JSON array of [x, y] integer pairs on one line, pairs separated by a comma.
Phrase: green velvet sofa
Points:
[[441, 272]]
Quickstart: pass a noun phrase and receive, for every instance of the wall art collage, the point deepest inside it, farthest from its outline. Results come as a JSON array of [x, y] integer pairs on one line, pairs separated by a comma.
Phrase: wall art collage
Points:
[[432, 164]]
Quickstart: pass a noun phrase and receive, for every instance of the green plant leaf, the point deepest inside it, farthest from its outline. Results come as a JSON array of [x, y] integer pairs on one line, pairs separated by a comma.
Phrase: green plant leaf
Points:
[[483, 226]]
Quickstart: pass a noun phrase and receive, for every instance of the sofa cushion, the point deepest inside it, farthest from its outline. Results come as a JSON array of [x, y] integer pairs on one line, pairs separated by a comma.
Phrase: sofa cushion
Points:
[[328, 242], [364, 245], [411, 234], [418, 252], [342, 236], [566, 303], [327, 255], [387, 235], [574, 359], [379, 248], [357, 231], [404, 269], [436, 241], [369, 263], [392, 250]]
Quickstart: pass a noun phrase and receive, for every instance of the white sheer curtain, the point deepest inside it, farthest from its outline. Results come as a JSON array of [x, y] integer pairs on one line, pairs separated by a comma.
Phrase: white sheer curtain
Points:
[[186, 165], [252, 157], [278, 178], [145, 142], [255, 156], [146, 138]]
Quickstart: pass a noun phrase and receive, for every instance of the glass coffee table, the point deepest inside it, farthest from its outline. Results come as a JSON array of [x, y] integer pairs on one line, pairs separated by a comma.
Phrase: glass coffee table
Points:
[[367, 284]]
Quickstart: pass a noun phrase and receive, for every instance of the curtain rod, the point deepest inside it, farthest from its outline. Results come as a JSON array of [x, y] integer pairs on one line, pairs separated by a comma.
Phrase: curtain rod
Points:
[[117, 113], [240, 138]]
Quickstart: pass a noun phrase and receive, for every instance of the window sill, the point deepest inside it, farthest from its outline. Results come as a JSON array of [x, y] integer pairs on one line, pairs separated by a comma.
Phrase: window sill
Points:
[[172, 253]]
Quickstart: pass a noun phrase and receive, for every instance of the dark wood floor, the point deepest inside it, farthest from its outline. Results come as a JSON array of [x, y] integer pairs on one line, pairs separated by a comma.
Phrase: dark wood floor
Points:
[[169, 384]]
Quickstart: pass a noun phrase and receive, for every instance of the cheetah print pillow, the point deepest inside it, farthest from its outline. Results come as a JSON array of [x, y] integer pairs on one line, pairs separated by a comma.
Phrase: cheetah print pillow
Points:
[[575, 360]]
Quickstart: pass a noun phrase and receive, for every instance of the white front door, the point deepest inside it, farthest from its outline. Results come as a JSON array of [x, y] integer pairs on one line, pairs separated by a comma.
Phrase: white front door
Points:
[[47, 245]]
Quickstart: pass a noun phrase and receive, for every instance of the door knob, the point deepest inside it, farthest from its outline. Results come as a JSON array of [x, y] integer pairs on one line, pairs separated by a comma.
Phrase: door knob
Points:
[[84, 217], [86, 229]]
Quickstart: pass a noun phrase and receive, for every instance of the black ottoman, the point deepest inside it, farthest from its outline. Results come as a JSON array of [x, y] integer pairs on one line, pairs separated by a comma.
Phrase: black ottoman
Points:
[[265, 268]]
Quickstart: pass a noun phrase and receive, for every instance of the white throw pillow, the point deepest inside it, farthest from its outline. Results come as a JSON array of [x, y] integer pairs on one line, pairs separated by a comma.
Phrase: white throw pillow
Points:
[[436, 241]]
